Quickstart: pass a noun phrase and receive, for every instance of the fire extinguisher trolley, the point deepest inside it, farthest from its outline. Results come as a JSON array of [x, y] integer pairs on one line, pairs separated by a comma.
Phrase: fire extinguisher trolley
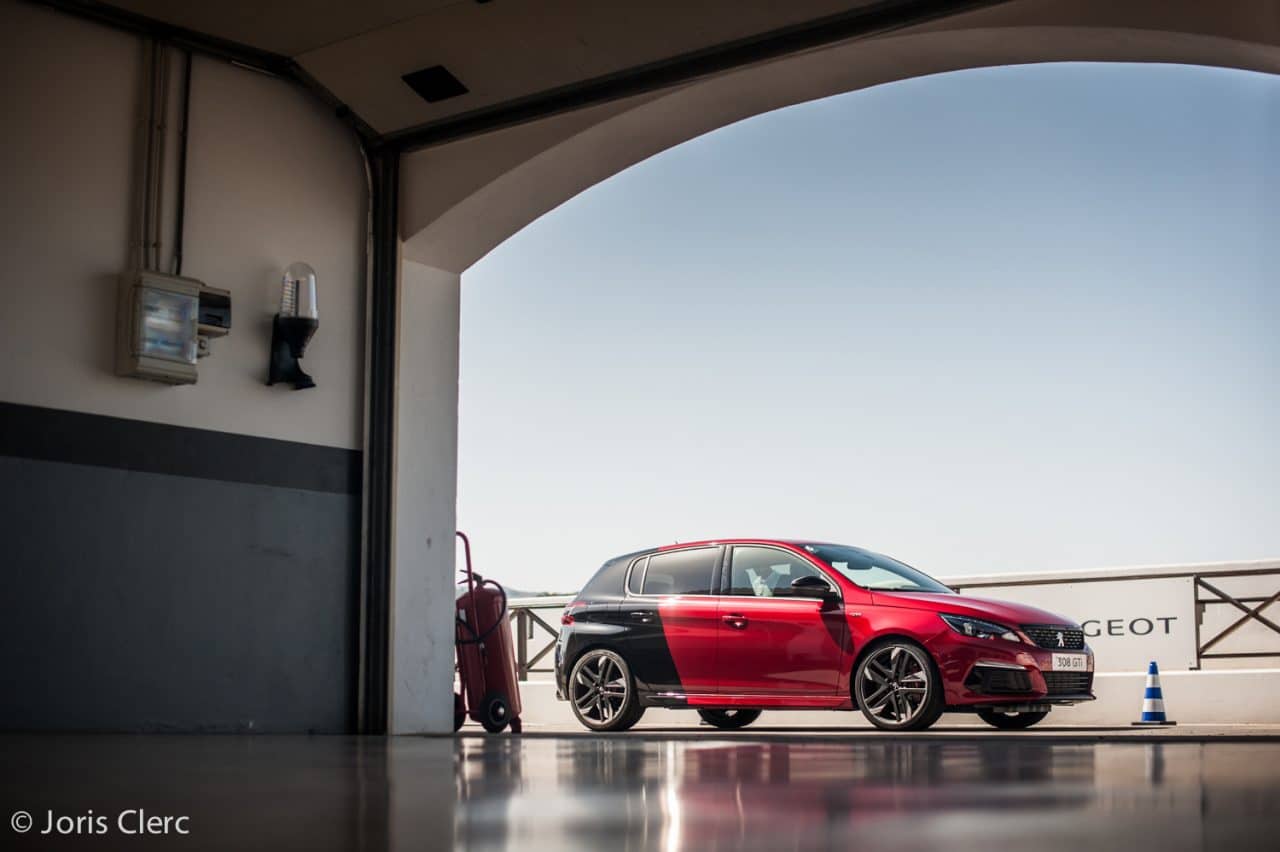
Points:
[[486, 657]]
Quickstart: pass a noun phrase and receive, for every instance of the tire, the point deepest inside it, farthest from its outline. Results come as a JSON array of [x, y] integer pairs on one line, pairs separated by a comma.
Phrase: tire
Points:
[[1010, 721], [729, 720], [495, 712], [897, 686], [602, 692], [459, 712]]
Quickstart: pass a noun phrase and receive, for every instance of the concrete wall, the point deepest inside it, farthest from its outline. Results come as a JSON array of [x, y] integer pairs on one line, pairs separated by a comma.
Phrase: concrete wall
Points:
[[1191, 698], [199, 568], [425, 505], [1234, 691]]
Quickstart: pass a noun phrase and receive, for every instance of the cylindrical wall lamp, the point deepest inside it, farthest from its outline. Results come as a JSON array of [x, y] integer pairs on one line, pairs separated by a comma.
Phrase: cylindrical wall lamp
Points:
[[293, 327]]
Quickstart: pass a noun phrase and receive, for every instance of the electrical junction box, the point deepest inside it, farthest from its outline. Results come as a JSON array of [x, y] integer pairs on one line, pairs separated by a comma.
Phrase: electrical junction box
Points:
[[157, 327]]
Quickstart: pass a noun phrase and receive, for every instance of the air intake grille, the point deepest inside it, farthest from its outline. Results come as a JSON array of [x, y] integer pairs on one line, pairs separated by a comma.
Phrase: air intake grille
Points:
[[1046, 636], [1068, 683], [993, 681]]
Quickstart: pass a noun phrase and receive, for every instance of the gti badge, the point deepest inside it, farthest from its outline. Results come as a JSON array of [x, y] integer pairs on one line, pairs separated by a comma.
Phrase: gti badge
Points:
[[1062, 643]]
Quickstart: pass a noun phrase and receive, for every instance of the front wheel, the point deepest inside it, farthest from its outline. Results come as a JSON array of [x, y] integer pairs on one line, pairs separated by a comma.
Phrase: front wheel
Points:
[[729, 720], [1010, 721], [898, 688]]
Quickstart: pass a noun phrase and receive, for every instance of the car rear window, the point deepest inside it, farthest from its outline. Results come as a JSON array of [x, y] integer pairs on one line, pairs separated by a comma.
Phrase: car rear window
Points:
[[681, 572], [637, 574]]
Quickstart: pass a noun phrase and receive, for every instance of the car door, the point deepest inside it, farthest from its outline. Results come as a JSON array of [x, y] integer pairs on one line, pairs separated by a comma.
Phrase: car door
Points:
[[770, 642], [670, 615]]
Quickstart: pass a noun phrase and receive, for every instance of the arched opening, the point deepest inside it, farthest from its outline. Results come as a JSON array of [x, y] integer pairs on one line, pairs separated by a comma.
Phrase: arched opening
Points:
[[463, 199], [460, 200]]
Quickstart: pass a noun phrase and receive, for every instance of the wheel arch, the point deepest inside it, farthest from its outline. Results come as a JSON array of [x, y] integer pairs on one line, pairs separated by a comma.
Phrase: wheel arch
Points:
[[885, 639]]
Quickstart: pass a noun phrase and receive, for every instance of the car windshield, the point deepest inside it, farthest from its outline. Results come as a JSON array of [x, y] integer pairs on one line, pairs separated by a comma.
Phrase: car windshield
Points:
[[874, 570]]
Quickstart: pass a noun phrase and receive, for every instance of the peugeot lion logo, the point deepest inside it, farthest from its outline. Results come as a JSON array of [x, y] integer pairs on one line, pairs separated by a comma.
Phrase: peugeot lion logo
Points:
[[1062, 643]]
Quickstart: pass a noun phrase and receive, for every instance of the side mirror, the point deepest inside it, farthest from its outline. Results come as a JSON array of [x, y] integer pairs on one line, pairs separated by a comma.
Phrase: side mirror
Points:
[[812, 587]]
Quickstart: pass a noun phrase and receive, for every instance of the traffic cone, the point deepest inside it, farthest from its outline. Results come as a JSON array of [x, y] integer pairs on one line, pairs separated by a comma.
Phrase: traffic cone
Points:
[[1153, 700]]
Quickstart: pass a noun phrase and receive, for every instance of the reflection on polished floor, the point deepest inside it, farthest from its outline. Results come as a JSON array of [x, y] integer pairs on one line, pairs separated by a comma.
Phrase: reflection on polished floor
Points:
[[997, 793], [992, 792]]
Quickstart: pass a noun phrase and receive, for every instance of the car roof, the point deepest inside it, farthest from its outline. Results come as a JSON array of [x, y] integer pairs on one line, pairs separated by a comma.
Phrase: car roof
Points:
[[790, 542]]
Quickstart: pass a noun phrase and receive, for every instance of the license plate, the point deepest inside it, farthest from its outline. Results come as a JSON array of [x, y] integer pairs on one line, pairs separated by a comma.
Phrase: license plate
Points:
[[1068, 663]]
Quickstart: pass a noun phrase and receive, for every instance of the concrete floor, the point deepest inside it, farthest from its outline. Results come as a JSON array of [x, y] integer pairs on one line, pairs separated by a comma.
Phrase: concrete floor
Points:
[[775, 789]]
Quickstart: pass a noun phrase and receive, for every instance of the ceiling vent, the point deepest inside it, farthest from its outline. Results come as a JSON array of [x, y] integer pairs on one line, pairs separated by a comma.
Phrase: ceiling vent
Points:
[[435, 84]]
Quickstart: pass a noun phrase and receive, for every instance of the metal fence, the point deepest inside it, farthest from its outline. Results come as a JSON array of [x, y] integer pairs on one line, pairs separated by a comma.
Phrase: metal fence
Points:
[[1240, 602], [529, 628]]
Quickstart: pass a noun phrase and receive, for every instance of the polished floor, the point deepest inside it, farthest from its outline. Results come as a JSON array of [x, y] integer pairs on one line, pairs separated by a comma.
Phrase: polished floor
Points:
[[963, 791]]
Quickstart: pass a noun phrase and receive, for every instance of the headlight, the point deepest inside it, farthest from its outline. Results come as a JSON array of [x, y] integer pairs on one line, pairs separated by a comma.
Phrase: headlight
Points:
[[979, 629]]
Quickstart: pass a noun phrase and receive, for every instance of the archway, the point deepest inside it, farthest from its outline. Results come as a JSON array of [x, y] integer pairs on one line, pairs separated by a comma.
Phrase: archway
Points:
[[462, 199]]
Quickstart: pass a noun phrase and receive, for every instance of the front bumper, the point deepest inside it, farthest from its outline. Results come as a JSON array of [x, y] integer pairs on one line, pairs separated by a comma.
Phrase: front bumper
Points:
[[993, 672]]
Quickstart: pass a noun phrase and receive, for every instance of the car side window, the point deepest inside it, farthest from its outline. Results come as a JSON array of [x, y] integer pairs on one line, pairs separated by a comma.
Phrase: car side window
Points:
[[765, 572], [637, 575], [681, 572]]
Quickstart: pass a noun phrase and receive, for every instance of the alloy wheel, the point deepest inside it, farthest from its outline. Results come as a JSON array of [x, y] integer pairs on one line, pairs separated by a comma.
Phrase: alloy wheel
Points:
[[599, 689], [894, 685]]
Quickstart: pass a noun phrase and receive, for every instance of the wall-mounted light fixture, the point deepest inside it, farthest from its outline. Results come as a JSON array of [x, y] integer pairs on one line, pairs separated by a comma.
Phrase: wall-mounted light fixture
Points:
[[293, 327]]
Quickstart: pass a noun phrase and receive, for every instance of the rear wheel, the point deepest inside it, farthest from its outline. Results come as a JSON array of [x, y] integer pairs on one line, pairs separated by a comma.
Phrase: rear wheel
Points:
[[729, 719], [602, 692], [898, 688], [1010, 721]]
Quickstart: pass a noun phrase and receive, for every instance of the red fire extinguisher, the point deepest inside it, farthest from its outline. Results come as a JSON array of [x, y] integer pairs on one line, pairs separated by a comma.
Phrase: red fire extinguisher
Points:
[[486, 659]]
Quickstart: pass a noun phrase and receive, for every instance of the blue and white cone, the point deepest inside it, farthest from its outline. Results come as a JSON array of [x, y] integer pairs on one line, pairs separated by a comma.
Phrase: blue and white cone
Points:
[[1153, 700]]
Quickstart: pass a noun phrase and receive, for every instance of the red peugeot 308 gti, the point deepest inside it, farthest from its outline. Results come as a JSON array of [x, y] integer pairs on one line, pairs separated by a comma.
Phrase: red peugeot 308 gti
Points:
[[734, 627]]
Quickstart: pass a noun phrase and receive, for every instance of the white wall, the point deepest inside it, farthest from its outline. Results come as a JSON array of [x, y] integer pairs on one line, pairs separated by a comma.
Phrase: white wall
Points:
[[426, 471], [1241, 691], [273, 178]]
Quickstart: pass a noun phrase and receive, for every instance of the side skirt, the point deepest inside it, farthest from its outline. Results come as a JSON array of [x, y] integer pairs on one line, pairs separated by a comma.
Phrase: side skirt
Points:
[[771, 702]]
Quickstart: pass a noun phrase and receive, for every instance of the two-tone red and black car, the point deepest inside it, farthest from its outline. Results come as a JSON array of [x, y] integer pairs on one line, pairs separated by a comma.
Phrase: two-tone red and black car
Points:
[[734, 627]]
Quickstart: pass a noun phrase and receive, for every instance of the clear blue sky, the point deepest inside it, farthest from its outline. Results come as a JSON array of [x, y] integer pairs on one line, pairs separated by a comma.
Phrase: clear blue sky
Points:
[[1001, 320]]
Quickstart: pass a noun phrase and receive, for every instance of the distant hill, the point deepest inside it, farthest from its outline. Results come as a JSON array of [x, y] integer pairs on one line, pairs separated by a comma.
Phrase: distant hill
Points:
[[521, 593], [518, 593]]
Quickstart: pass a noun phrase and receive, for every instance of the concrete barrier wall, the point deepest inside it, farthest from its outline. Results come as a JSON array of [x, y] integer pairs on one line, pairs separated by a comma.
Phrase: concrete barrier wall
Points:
[[1237, 697], [1235, 690]]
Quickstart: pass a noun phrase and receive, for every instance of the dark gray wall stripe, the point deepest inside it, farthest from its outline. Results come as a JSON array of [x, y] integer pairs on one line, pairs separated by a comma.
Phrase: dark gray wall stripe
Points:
[[141, 602], [51, 434]]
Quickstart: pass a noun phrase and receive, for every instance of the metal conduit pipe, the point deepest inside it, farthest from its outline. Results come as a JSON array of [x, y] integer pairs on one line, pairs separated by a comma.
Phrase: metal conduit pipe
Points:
[[153, 119], [142, 213], [180, 203], [161, 110]]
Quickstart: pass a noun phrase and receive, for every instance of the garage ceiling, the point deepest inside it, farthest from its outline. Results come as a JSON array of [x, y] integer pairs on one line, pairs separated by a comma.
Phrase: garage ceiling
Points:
[[501, 51]]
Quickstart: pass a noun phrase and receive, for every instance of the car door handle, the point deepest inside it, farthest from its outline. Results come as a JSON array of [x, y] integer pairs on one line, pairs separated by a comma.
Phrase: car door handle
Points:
[[644, 617], [734, 620]]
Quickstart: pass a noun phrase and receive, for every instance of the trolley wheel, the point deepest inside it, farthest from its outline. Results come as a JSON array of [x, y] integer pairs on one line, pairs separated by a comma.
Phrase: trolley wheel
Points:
[[459, 711], [495, 713], [517, 727]]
